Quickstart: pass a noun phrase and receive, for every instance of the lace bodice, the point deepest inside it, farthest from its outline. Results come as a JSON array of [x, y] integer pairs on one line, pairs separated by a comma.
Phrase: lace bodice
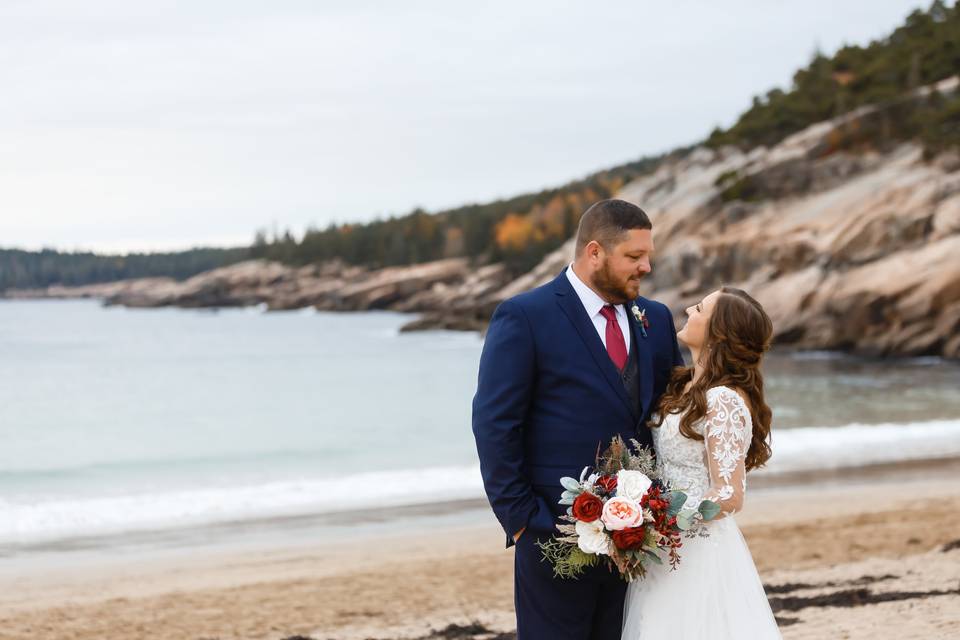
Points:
[[716, 592], [712, 468]]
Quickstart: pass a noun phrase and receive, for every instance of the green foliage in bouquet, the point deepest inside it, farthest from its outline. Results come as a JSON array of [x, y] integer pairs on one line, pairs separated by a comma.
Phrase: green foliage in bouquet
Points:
[[563, 553], [632, 549], [708, 509]]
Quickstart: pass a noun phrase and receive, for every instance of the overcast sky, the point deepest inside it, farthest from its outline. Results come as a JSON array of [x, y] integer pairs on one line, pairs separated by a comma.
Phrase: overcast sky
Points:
[[130, 126]]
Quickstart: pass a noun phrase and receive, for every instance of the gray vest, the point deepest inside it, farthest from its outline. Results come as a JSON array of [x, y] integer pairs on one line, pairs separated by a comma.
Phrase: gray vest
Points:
[[630, 376]]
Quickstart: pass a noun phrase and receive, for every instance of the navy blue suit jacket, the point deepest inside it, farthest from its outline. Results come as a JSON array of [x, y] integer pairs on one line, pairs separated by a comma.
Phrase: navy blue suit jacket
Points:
[[548, 395]]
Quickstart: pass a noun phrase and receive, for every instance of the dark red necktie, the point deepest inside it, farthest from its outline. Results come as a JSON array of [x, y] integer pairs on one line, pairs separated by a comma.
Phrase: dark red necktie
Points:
[[616, 346]]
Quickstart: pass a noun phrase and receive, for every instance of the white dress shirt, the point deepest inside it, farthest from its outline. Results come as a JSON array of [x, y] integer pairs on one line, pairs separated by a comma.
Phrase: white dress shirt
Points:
[[593, 303]]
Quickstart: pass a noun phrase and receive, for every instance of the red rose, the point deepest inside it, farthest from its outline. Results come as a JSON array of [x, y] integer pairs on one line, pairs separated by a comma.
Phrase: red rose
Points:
[[607, 483], [587, 507], [629, 538]]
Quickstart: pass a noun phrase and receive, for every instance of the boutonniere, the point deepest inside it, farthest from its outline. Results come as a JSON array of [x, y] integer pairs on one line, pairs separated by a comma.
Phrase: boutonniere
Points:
[[641, 316]]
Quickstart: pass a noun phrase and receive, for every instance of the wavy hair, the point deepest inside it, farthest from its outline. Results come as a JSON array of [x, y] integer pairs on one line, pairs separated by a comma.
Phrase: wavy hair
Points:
[[738, 333]]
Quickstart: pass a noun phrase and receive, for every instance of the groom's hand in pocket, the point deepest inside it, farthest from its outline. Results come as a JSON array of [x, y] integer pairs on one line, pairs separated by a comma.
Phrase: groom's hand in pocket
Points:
[[517, 535]]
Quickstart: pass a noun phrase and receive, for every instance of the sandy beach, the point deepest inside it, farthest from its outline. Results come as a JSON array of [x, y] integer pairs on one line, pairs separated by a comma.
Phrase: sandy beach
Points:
[[871, 559]]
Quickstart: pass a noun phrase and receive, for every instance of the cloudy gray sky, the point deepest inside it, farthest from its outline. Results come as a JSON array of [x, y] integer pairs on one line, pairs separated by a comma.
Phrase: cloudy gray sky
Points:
[[163, 124]]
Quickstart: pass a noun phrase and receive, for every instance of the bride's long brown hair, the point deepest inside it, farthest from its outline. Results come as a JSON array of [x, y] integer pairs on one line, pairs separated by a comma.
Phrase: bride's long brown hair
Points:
[[738, 333]]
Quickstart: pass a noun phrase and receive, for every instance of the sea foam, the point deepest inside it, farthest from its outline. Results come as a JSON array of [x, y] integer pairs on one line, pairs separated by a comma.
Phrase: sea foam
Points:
[[801, 449]]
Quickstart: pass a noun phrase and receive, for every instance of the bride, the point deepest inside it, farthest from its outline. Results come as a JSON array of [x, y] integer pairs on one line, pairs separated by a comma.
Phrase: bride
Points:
[[713, 427]]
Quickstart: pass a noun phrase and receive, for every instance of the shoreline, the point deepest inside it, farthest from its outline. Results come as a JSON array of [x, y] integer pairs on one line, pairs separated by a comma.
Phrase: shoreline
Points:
[[258, 533], [848, 555], [421, 319]]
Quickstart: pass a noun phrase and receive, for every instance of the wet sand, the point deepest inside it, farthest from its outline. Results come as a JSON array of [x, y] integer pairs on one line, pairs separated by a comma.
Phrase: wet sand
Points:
[[875, 558]]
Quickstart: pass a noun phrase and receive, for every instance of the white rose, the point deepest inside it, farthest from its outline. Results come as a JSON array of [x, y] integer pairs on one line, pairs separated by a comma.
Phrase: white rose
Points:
[[591, 538], [632, 484]]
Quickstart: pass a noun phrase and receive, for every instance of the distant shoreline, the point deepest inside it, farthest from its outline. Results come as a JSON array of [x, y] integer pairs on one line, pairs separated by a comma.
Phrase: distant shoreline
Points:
[[418, 323]]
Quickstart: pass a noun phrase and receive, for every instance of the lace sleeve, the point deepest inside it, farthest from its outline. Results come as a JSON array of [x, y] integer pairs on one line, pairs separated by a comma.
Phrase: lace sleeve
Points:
[[727, 435]]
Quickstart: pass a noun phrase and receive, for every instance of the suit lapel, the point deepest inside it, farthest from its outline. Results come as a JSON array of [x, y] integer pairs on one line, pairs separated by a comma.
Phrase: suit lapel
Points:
[[644, 360], [570, 303]]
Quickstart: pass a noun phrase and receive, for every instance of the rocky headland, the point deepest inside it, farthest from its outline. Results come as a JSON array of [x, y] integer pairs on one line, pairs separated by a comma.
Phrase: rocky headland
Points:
[[856, 251]]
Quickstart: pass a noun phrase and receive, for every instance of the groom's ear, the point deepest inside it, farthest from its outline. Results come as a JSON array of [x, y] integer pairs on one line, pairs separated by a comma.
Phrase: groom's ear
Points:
[[594, 250]]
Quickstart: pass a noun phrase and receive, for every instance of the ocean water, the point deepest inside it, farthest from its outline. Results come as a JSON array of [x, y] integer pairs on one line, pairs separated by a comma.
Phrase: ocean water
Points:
[[116, 421]]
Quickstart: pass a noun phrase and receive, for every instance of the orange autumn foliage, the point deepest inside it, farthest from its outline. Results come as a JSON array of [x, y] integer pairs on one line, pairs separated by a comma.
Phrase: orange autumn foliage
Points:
[[515, 232]]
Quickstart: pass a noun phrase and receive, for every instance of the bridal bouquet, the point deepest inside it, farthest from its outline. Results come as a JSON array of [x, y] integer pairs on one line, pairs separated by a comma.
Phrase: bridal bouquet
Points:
[[617, 514]]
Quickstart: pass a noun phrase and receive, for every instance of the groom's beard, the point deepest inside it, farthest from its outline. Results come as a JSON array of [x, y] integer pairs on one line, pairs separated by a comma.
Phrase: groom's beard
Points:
[[617, 291]]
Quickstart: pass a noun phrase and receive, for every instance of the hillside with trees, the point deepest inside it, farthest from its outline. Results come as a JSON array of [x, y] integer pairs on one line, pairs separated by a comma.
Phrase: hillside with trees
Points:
[[37, 269], [921, 52], [886, 77], [517, 231]]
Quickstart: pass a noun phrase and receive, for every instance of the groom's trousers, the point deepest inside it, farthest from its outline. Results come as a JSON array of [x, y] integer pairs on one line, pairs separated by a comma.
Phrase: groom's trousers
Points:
[[586, 608]]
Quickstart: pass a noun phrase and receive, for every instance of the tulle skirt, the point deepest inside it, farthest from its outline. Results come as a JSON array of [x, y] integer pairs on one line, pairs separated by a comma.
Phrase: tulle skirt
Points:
[[715, 593]]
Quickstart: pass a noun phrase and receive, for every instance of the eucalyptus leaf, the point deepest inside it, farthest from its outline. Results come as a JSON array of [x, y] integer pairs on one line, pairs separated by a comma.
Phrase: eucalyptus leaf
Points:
[[677, 500], [571, 485], [650, 554], [566, 501], [709, 509], [685, 520], [568, 494]]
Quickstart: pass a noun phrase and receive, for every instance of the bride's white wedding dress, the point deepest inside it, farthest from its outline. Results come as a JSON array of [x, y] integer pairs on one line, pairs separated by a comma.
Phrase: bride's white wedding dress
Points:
[[716, 592]]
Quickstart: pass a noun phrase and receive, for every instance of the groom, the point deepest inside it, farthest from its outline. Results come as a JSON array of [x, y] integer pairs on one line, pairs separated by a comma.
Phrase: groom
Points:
[[565, 368]]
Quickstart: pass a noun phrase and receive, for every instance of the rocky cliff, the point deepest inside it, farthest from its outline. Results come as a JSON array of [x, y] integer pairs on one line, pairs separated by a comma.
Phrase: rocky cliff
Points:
[[851, 252], [854, 251]]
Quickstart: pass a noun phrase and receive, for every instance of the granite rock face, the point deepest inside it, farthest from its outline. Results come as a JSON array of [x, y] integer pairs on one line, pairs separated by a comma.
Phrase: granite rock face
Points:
[[869, 264], [850, 252], [450, 293], [864, 257], [854, 252]]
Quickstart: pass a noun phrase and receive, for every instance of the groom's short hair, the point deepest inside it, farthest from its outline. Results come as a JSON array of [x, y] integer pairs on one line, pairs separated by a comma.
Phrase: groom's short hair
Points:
[[608, 221]]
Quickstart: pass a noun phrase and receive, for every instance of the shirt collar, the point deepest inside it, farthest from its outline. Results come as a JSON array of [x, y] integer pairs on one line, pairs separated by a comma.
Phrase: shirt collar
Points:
[[591, 301]]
